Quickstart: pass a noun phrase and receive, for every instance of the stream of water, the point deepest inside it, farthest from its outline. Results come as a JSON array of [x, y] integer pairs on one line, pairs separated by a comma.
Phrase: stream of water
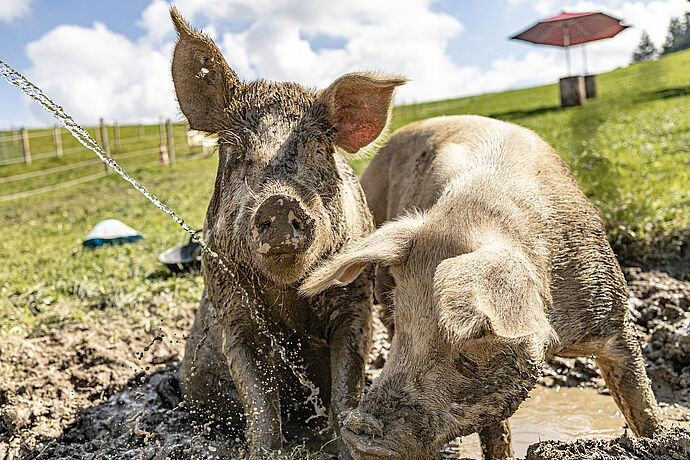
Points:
[[84, 138]]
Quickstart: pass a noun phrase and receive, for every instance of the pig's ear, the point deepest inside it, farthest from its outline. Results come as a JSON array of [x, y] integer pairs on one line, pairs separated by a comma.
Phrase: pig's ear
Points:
[[204, 82], [389, 245], [491, 290], [359, 106]]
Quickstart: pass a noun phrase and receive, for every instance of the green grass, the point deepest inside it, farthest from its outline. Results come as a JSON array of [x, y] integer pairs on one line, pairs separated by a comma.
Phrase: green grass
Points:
[[630, 150], [47, 278]]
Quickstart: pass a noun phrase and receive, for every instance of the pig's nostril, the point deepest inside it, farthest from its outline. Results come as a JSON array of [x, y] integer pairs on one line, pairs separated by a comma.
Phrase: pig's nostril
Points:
[[263, 227], [297, 225]]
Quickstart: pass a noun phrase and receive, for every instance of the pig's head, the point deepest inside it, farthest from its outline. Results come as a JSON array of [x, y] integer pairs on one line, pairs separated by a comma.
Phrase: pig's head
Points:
[[470, 335], [284, 196]]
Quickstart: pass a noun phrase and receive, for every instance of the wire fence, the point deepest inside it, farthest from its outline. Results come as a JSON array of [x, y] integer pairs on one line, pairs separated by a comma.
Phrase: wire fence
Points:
[[39, 161], [43, 160]]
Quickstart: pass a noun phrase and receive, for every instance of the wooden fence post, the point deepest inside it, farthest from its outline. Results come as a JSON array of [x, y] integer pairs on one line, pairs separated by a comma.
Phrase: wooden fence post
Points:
[[25, 146], [4, 147], [141, 131], [15, 136], [57, 138], [171, 142], [116, 133], [106, 147], [162, 149]]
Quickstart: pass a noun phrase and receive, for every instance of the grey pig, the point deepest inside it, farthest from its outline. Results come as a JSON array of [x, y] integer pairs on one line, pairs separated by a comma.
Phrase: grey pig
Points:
[[284, 198], [494, 261]]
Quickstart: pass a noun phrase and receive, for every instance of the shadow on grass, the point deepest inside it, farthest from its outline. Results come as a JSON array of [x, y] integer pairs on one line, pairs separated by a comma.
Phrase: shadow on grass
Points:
[[164, 273], [666, 93], [518, 114]]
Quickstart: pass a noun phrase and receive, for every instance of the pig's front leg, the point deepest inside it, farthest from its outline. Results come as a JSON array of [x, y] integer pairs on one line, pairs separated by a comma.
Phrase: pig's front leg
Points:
[[495, 441], [349, 343], [253, 374]]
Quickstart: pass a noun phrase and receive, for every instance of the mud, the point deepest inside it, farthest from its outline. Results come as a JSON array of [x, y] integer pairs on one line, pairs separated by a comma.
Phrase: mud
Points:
[[671, 445], [111, 391]]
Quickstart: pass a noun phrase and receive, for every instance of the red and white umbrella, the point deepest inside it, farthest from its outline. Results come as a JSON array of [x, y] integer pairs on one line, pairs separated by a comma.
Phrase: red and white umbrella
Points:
[[568, 29]]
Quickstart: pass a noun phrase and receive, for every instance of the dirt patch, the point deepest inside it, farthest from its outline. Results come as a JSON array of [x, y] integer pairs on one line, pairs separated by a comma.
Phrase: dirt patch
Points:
[[111, 391], [674, 444], [81, 393], [46, 381]]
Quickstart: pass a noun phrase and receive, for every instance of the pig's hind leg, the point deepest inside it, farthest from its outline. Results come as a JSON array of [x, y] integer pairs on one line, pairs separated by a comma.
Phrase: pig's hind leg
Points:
[[495, 440], [621, 364]]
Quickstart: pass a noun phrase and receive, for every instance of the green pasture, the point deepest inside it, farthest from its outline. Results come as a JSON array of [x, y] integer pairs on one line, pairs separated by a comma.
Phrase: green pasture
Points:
[[630, 150]]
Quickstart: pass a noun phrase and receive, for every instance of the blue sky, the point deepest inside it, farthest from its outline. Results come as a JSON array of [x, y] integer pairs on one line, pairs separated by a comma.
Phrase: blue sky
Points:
[[111, 58]]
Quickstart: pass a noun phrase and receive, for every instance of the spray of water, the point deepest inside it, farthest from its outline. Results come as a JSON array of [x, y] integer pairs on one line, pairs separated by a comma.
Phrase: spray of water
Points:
[[83, 136]]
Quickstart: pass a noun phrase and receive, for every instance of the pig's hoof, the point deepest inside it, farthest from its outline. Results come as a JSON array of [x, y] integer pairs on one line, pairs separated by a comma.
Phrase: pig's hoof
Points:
[[363, 447]]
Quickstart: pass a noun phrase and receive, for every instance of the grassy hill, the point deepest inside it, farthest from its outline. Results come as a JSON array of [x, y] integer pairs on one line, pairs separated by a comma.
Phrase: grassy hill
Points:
[[630, 150]]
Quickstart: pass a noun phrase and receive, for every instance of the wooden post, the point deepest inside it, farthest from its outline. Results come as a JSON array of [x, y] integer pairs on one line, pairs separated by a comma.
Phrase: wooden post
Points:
[[57, 138], [116, 133], [4, 147], [572, 91], [15, 136], [106, 147], [25, 146], [162, 149], [171, 143], [141, 131], [590, 86]]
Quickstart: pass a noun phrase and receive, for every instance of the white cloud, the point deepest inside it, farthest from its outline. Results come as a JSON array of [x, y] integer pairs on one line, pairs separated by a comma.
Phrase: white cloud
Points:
[[13, 9], [96, 72], [277, 42], [540, 6], [155, 20]]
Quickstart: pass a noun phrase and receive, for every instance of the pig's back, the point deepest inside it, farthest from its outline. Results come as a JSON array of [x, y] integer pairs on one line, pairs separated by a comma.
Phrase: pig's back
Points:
[[419, 161], [500, 169]]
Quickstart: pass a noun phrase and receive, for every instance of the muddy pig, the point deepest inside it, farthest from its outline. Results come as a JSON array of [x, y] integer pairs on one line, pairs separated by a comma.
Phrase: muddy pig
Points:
[[495, 261], [284, 198]]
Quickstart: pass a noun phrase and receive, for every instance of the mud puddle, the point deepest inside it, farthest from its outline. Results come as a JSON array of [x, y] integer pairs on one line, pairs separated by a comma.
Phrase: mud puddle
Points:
[[566, 414]]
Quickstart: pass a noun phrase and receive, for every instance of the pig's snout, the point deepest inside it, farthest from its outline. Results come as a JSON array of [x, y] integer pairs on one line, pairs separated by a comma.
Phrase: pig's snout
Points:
[[360, 431], [282, 227], [361, 423]]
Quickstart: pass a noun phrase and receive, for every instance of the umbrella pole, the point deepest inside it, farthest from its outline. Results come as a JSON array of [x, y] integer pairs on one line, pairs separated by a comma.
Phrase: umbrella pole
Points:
[[584, 58], [566, 44]]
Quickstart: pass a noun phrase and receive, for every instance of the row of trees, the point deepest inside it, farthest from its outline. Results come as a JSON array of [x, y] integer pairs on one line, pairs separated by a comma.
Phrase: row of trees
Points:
[[677, 39]]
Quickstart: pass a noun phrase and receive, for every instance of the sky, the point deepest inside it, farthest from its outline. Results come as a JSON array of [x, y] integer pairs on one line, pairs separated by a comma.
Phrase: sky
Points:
[[111, 59]]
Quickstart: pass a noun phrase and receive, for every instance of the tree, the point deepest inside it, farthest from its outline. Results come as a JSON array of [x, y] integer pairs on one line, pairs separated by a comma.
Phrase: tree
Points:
[[678, 35], [646, 51]]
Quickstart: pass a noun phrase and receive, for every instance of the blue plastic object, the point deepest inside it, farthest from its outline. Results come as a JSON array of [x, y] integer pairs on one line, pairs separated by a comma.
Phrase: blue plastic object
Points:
[[111, 231]]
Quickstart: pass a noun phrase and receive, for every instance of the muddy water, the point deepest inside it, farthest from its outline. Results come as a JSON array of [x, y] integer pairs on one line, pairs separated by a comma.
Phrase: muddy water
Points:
[[560, 414]]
